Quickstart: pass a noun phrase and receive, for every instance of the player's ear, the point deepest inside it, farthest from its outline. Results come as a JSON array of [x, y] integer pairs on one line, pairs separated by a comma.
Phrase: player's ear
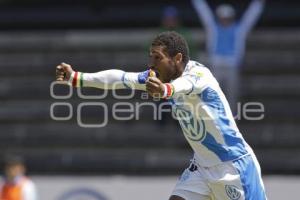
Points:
[[178, 58]]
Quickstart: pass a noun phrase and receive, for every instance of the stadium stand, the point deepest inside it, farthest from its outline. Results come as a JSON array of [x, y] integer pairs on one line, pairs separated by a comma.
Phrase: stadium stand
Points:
[[27, 64]]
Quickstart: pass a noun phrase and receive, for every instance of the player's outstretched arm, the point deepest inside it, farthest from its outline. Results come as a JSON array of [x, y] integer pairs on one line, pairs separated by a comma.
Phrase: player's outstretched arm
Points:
[[108, 79]]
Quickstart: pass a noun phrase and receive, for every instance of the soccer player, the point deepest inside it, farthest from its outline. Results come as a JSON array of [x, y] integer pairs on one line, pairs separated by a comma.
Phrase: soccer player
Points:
[[224, 165]]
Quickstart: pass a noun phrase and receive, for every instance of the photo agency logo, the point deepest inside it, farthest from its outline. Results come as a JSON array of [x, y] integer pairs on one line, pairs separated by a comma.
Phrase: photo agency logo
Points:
[[123, 107]]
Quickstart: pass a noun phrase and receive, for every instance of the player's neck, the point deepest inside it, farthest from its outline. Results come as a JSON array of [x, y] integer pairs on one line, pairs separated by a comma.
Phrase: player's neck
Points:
[[179, 71]]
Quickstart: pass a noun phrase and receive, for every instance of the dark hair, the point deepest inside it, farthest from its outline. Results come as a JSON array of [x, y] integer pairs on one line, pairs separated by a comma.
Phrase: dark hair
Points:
[[174, 44]]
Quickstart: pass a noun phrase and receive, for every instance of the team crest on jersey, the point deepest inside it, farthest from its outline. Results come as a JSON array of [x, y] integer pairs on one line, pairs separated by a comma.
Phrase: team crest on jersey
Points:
[[193, 128], [232, 192]]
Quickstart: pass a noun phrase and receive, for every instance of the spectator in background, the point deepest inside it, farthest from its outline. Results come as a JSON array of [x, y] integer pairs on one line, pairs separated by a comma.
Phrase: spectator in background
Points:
[[226, 38], [170, 21], [16, 185]]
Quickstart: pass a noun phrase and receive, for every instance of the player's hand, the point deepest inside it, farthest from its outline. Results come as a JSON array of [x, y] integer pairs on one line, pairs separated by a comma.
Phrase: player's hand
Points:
[[143, 76], [155, 87], [63, 72]]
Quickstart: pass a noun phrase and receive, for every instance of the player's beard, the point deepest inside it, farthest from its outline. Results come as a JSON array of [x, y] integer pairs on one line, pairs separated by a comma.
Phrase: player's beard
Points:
[[175, 73]]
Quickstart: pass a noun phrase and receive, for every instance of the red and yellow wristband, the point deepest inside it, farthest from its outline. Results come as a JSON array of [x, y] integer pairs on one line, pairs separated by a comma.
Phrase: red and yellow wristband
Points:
[[169, 90], [76, 79]]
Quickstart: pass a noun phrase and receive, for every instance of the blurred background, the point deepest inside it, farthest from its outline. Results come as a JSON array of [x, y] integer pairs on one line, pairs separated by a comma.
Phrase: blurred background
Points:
[[134, 159]]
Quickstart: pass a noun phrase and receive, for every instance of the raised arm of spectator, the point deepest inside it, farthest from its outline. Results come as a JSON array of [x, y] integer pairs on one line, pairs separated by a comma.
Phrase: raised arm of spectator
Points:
[[251, 16], [205, 14]]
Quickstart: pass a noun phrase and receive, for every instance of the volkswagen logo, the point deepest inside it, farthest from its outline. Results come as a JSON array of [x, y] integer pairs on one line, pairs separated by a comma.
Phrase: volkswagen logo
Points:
[[193, 128], [232, 192]]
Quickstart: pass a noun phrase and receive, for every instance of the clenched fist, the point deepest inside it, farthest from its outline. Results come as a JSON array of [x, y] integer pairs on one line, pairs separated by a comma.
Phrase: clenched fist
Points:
[[155, 87], [63, 72]]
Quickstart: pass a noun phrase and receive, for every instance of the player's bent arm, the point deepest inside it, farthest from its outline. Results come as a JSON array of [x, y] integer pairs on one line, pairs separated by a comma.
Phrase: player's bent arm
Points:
[[193, 82], [189, 84], [109, 79], [181, 86]]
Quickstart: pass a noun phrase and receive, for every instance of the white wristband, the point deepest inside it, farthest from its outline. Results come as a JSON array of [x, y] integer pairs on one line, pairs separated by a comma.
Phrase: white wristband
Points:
[[71, 78], [165, 91]]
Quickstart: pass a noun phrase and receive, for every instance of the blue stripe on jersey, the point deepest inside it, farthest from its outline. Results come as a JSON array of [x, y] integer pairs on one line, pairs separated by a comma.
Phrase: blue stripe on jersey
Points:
[[223, 152], [250, 178], [234, 146]]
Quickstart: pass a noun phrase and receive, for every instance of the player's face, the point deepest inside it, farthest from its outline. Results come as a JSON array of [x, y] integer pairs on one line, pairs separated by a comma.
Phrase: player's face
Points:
[[162, 63]]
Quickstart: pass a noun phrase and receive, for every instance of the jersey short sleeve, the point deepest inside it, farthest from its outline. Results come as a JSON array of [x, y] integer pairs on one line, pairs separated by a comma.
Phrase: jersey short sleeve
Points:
[[195, 79]]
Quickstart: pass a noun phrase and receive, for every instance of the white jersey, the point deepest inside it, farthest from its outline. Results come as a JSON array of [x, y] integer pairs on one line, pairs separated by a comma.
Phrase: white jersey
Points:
[[199, 105], [205, 117]]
